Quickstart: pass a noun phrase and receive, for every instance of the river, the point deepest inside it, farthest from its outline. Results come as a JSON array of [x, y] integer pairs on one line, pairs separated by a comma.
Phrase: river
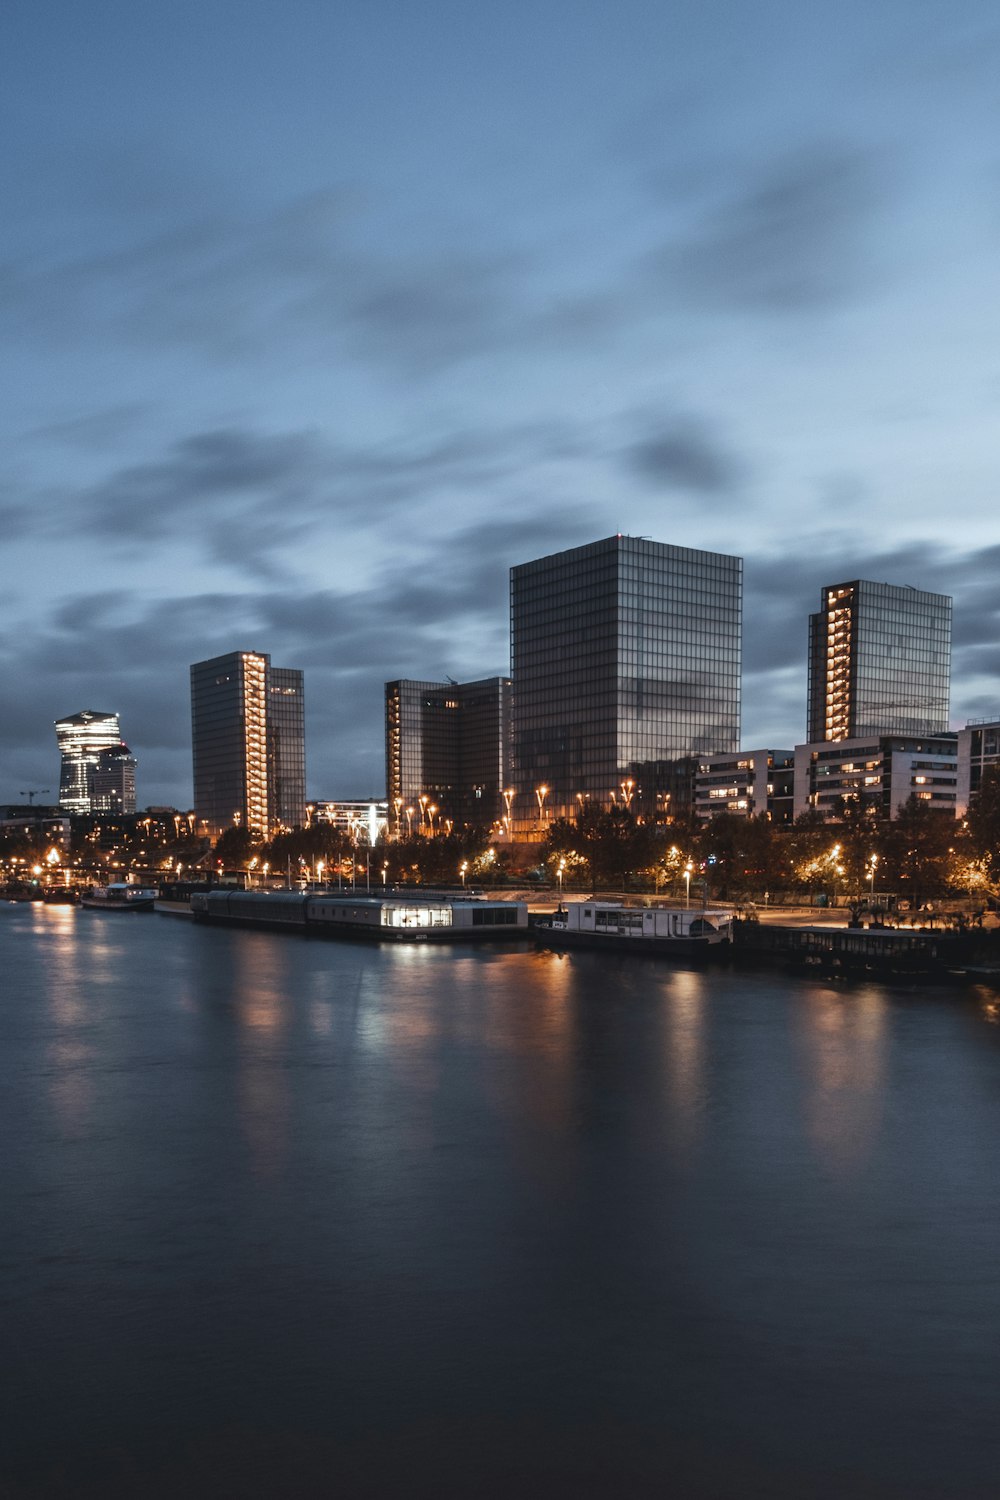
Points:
[[285, 1216]]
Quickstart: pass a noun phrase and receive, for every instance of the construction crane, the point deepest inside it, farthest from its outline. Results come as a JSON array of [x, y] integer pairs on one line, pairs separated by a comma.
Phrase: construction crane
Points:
[[36, 791]]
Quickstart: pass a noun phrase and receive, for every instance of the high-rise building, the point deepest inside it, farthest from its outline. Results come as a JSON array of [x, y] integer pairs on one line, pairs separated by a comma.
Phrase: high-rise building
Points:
[[97, 773], [248, 744], [112, 782], [447, 747], [625, 659], [879, 662]]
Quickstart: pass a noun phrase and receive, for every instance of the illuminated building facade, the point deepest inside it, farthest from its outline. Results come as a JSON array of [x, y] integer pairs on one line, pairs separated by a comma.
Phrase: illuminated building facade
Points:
[[880, 772], [248, 744], [625, 658], [447, 747], [751, 784], [96, 766], [879, 662]]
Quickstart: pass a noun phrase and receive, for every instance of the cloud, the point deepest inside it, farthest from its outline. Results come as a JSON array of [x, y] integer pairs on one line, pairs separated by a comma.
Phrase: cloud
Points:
[[685, 455], [795, 237]]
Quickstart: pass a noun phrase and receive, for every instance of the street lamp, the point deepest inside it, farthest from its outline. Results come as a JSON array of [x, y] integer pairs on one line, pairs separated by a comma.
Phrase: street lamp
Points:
[[873, 862], [627, 786], [397, 803], [508, 797], [541, 792], [463, 870], [688, 872], [560, 870], [320, 867], [423, 810], [385, 873], [432, 812], [409, 821]]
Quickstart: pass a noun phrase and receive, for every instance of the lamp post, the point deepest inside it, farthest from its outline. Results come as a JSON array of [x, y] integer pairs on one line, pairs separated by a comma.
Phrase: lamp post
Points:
[[627, 787], [409, 821], [397, 803], [541, 792], [463, 870], [320, 867], [423, 810], [432, 813], [873, 862], [560, 870], [508, 797], [688, 872], [385, 873]]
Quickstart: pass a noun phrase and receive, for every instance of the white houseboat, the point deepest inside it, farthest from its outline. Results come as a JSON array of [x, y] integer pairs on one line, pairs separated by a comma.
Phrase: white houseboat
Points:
[[120, 896], [679, 930]]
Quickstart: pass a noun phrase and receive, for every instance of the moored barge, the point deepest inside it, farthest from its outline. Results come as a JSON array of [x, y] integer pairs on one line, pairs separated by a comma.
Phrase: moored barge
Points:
[[382, 918]]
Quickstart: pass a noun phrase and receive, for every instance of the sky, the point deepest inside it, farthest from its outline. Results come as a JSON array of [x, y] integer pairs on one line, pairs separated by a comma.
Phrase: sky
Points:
[[316, 318]]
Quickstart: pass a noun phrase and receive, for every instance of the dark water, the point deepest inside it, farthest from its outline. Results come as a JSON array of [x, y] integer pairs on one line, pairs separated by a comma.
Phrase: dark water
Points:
[[285, 1217]]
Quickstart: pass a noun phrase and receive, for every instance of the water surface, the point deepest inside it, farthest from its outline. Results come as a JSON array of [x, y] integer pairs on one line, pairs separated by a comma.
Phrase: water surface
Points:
[[298, 1217]]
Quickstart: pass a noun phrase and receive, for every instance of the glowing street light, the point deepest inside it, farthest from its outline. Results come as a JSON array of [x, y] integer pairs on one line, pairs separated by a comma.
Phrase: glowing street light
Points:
[[627, 787], [463, 870], [385, 873], [541, 792], [508, 797], [432, 813], [320, 867], [409, 821], [872, 865], [397, 803], [423, 809], [688, 872], [560, 871]]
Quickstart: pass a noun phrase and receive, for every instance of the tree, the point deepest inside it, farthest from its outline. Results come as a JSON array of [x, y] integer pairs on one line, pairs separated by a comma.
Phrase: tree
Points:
[[983, 819], [918, 844]]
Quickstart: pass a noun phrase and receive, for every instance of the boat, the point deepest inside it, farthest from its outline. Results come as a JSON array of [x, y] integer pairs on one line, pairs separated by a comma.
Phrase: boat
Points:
[[120, 896], [399, 917], [682, 931]]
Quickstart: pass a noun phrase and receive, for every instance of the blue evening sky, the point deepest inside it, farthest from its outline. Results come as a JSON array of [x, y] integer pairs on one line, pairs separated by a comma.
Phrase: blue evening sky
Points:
[[317, 317]]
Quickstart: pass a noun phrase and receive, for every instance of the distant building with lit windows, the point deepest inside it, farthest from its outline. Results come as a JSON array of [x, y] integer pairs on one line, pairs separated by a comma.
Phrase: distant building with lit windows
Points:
[[248, 744], [97, 770], [751, 784], [879, 662], [879, 773], [978, 751], [625, 659], [447, 748]]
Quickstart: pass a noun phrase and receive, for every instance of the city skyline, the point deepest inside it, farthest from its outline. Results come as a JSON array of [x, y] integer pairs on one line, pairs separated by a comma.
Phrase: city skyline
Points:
[[315, 325]]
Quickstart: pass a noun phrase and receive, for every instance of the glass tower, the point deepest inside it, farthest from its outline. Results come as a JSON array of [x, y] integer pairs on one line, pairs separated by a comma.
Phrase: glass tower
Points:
[[90, 744], [879, 662], [447, 745], [625, 658], [248, 744]]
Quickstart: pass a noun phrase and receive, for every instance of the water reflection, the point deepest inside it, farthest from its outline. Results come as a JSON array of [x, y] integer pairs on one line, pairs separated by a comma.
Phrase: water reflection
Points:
[[842, 1044], [988, 1001], [685, 999], [262, 1001]]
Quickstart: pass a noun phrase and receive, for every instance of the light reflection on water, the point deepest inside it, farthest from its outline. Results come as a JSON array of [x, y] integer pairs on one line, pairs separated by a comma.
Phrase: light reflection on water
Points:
[[841, 1038]]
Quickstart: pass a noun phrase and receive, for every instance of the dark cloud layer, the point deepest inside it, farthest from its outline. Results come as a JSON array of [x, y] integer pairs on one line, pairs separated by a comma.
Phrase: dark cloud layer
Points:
[[685, 455], [793, 236]]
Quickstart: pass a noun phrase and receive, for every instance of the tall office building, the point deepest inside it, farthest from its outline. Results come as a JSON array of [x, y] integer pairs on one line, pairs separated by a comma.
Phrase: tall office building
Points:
[[112, 782], [447, 746], [97, 772], [879, 662], [248, 744], [625, 658]]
